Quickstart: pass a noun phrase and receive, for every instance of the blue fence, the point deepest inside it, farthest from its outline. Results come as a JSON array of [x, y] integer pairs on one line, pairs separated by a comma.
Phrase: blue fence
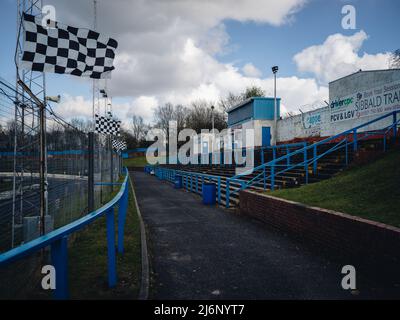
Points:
[[58, 240], [345, 141], [191, 181]]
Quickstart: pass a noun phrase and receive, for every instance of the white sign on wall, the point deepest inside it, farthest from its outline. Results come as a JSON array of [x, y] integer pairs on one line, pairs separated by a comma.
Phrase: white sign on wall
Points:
[[312, 119], [382, 99]]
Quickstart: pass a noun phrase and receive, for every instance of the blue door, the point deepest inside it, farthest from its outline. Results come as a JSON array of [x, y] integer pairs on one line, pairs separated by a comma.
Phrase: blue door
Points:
[[266, 136]]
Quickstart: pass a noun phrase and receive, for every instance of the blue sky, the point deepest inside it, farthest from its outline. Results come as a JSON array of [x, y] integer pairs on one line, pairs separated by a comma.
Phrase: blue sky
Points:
[[181, 70], [264, 44]]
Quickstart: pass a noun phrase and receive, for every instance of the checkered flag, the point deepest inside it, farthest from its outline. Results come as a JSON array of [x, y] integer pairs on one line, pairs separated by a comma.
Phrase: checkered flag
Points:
[[119, 145], [64, 49], [105, 125]]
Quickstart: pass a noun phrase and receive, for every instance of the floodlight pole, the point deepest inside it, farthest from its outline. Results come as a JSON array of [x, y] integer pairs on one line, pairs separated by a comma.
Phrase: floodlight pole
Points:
[[42, 155], [275, 70], [212, 118]]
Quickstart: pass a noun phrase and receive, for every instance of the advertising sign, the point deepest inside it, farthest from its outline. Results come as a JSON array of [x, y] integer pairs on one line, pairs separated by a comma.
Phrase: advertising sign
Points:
[[312, 119], [379, 100]]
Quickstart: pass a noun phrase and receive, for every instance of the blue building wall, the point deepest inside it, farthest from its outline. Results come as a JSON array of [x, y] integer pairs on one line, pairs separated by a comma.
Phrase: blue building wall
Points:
[[264, 108], [255, 109]]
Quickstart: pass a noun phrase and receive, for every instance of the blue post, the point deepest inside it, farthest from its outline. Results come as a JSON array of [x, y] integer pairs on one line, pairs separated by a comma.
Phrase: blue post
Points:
[[227, 193], [112, 272], [197, 184], [384, 142], [265, 182], [315, 159], [122, 211], [59, 259], [272, 177], [219, 190], [355, 140], [273, 152], [305, 165], [262, 155], [288, 158]]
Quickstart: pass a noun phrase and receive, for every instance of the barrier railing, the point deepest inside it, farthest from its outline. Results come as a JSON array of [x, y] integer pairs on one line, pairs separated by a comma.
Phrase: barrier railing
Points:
[[58, 240], [268, 171], [190, 180]]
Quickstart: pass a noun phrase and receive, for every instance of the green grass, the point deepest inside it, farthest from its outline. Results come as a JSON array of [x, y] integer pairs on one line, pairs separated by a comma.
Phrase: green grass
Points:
[[371, 191], [88, 260], [135, 162]]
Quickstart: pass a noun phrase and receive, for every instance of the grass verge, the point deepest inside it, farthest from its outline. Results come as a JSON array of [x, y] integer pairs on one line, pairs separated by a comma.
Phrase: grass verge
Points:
[[88, 260], [135, 162], [371, 191]]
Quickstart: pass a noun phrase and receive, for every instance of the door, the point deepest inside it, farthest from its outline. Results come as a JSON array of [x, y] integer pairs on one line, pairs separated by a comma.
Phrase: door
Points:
[[266, 136]]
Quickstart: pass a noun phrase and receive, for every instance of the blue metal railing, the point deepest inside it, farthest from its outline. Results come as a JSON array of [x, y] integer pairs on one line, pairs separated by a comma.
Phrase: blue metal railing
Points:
[[346, 138], [191, 181], [58, 240]]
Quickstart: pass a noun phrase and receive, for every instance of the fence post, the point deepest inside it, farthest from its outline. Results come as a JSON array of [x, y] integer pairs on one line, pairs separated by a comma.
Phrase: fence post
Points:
[[59, 259], [262, 155], [287, 158], [112, 273], [355, 139], [227, 193], [111, 166], [305, 165], [272, 177], [91, 172], [219, 190], [315, 159], [122, 211], [265, 182]]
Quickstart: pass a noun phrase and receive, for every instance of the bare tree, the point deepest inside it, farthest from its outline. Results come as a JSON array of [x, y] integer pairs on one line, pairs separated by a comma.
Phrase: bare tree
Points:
[[232, 99], [139, 128], [200, 114], [168, 112], [394, 59]]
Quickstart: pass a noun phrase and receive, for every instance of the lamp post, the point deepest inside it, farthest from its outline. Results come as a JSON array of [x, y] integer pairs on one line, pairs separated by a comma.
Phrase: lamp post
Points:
[[212, 118], [274, 71]]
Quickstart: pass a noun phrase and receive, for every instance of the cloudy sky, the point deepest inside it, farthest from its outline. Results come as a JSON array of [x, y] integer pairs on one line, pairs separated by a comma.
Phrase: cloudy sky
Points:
[[183, 50]]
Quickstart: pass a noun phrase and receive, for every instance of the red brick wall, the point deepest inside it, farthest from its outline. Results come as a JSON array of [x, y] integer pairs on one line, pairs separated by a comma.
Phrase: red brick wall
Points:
[[346, 234]]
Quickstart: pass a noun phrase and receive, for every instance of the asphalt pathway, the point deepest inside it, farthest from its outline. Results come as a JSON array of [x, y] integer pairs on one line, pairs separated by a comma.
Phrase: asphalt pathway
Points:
[[202, 252]]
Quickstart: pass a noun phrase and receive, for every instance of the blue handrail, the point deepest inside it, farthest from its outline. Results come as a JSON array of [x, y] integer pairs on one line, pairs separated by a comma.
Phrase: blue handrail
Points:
[[307, 161], [58, 238]]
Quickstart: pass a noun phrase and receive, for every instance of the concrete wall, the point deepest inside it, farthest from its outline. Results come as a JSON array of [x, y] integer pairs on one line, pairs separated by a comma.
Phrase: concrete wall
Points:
[[367, 94], [257, 125]]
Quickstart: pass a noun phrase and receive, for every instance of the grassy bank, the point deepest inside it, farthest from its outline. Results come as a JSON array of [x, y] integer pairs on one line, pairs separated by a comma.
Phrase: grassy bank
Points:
[[135, 162], [88, 260], [371, 191]]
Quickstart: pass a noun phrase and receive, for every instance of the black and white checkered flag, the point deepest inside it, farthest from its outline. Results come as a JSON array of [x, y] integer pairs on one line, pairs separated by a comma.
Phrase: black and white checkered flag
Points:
[[119, 145], [105, 125], [64, 49]]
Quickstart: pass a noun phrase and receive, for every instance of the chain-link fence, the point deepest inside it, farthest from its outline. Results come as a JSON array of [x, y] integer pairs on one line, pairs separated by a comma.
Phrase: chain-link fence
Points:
[[67, 175], [67, 170]]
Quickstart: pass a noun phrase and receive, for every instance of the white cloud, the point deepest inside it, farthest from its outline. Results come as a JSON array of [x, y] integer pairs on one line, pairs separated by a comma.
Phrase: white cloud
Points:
[[251, 71], [167, 52], [73, 107], [338, 56]]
